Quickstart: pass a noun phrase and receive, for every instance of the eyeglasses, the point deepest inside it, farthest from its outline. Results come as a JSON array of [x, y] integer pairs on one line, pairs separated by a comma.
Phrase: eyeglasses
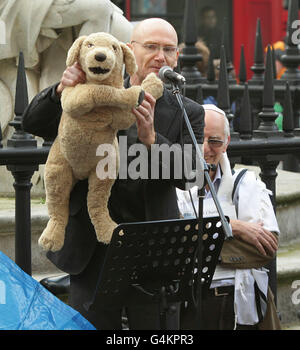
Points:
[[215, 143], [154, 48]]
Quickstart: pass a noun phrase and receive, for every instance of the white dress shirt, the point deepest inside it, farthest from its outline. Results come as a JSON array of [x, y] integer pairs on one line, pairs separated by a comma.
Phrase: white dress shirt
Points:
[[252, 204]]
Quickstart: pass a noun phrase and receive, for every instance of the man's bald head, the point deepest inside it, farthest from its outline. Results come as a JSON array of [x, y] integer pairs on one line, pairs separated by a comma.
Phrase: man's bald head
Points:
[[143, 28], [213, 112], [155, 44], [216, 134]]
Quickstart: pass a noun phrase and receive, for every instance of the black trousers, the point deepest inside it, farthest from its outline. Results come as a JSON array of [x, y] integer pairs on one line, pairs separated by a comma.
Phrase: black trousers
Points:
[[139, 317], [217, 312]]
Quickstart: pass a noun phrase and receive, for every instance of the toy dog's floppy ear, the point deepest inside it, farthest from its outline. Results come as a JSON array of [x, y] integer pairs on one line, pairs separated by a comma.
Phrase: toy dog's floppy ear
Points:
[[129, 59], [73, 52]]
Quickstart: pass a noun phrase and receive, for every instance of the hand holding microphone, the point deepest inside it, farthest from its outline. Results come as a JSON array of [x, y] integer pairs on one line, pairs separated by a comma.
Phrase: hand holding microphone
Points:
[[167, 75]]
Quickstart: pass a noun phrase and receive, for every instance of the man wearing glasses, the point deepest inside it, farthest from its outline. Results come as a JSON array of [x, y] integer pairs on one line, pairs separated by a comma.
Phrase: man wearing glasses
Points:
[[154, 43], [230, 302]]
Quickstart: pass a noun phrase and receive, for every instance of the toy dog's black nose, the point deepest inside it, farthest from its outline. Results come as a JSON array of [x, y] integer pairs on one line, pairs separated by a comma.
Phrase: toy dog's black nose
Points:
[[100, 57]]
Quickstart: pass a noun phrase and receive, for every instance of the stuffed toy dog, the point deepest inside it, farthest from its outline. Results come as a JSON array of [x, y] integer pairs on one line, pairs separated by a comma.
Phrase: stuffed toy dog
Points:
[[92, 114]]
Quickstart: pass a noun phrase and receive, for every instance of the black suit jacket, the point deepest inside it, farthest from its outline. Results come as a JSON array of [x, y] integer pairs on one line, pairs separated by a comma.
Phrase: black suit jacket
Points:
[[131, 200]]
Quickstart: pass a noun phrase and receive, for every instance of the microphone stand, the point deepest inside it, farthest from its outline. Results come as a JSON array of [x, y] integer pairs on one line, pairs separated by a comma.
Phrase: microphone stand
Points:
[[201, 195]]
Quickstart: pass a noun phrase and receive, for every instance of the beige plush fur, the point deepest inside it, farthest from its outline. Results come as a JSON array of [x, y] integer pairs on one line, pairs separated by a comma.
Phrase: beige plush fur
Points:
[[92, 114]]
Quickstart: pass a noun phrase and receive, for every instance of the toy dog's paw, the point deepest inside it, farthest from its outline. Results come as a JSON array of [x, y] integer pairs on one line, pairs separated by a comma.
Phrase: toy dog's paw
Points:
[[53, 237], [136, 95], [153, 85], [104, 232], [141, 97]]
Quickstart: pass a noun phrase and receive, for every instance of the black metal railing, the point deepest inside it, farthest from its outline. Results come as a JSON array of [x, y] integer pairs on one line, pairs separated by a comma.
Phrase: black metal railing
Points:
[[22, 158]]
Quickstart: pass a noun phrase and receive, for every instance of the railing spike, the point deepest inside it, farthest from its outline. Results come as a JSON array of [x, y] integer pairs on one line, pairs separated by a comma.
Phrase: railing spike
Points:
[[288, 115], [245, 127], [243, 70], [225, 43], [19, 137], [190, 54], [21, 97], [258, 67], [223, 88], [211, 75], [268, 114]]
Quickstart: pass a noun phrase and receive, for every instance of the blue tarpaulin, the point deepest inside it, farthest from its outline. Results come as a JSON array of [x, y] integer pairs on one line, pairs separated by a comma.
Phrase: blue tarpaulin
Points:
[[26, 305]]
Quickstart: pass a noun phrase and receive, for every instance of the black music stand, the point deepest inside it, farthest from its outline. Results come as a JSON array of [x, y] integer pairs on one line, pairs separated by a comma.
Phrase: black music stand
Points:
[[156, 261]]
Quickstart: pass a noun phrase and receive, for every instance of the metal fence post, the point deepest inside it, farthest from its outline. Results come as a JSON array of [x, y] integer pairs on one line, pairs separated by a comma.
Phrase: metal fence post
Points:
[[22, 175]]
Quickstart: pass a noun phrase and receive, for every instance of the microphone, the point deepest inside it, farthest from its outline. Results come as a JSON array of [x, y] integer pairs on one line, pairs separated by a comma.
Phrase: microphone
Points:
[[212, 167], [167, 75]]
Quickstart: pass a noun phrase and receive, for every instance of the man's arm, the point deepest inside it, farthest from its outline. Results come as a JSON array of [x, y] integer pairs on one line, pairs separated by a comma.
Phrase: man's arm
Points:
[[240, 254], [256, 230], [256, 214], [255, 234], [42, 116]]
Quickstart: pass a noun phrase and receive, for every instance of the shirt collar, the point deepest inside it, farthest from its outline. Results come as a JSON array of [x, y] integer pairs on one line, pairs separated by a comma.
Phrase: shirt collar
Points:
[[216, 181], [218, 175]]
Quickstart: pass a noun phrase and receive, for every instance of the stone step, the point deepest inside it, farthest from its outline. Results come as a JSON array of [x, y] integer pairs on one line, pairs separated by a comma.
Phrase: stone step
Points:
[[288, 261], [287, 204], [288, 272]]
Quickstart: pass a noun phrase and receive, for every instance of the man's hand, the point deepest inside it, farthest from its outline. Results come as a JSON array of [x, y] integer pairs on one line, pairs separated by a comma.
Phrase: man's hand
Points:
[[72, 76], [255, 234], [145, 120]]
